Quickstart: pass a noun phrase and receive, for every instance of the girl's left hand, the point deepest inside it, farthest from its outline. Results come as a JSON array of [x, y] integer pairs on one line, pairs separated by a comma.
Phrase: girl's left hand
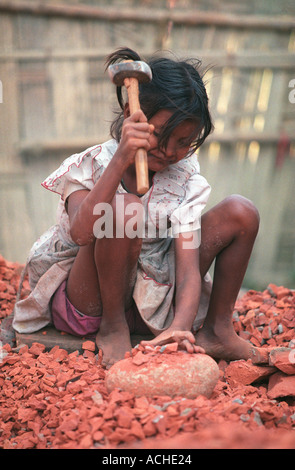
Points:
[[185, 340]]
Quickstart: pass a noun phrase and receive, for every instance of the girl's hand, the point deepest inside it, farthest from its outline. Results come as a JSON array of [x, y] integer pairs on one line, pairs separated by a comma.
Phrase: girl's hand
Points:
[[136, 132], [185, 340]]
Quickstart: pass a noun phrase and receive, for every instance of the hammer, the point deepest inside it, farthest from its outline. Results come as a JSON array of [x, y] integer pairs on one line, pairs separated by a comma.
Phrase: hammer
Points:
[[129, 74]]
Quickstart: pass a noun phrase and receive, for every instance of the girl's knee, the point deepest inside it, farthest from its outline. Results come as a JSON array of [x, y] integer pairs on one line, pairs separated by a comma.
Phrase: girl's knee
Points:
[[243, 212]]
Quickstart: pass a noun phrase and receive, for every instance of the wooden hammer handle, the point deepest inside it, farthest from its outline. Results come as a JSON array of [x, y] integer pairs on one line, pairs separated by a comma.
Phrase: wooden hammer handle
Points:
[[141, 165]]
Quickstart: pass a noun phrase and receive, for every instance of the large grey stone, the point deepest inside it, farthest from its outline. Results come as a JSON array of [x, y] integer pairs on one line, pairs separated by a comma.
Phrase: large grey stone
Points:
[[174, 374]]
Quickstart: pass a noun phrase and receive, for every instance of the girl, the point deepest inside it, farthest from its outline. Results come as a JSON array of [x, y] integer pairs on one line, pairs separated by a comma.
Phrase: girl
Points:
[[103, 270]]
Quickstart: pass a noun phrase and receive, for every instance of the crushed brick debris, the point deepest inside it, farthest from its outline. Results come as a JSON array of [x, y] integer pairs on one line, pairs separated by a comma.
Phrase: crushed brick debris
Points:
[[58, 400], [9, 283]]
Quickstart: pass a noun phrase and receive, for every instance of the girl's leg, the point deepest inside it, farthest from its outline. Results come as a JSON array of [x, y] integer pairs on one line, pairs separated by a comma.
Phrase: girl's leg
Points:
[[101, 283], [228, 234]]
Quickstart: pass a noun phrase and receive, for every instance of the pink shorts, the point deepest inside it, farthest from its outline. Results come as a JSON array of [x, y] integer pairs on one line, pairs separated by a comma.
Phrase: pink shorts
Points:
[[67, 318]]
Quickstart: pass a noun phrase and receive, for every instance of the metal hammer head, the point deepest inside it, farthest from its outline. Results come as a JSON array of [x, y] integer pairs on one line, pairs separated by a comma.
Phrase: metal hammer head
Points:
[[133, 68]]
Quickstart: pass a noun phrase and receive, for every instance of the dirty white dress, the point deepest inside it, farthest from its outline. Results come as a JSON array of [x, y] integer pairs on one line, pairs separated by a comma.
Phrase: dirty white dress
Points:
[[175, 200]]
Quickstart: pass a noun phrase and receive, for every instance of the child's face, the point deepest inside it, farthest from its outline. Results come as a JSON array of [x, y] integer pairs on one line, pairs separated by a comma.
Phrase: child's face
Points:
[[179, 142]]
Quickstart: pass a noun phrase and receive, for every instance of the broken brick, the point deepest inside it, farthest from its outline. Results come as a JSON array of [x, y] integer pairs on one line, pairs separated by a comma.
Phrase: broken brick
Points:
[[245, 372], [283, 359], [37, 348], [281, 385], [88, 345], [124, 417]]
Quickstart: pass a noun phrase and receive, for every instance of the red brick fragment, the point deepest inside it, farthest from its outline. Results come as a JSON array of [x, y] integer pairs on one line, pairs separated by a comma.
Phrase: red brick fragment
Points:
[[59, 354], [37, 348], [170, 347], [139, 358], [26, 414], [69, 425], [278, 291], [89, 345], [283, 359], [124, 417], [281, 385], [245, 372], [98, 436], [266, 332], [86, 442]]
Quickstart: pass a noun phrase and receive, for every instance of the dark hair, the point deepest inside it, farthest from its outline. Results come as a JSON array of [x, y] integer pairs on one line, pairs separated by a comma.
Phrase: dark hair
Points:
[[176, 85]]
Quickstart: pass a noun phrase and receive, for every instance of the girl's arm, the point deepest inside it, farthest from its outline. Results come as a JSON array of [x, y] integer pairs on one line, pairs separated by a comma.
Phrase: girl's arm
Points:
[[80, 204], [187, 296], [135, 134]]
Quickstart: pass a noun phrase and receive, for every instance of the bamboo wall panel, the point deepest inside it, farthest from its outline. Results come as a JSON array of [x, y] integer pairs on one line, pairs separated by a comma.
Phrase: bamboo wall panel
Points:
[[58, 100]]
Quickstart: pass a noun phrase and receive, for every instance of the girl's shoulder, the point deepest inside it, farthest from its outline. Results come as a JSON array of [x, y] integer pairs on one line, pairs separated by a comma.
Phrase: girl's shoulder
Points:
[[101, 156], [82, 168], [96, 156]]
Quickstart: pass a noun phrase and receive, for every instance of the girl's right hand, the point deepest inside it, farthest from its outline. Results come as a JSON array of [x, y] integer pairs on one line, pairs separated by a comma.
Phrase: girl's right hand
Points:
[[184, 339], [136, 132]]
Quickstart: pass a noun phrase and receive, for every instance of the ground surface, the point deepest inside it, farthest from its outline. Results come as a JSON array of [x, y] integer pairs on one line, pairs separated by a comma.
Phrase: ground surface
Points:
[[53, 393]]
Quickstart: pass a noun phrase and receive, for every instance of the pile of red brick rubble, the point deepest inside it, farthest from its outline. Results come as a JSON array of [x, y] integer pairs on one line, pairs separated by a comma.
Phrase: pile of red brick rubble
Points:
[[58, 400]]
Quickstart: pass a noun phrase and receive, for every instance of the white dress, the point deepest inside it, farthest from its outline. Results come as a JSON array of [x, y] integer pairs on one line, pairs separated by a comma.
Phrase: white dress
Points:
[[175, 200]]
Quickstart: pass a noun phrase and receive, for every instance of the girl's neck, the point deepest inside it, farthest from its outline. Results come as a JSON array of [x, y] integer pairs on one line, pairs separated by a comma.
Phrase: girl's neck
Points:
[[129, 180]]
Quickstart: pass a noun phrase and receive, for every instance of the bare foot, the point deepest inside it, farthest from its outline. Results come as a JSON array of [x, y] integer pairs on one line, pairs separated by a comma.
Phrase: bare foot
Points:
[[114, 341], [228, 345]]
